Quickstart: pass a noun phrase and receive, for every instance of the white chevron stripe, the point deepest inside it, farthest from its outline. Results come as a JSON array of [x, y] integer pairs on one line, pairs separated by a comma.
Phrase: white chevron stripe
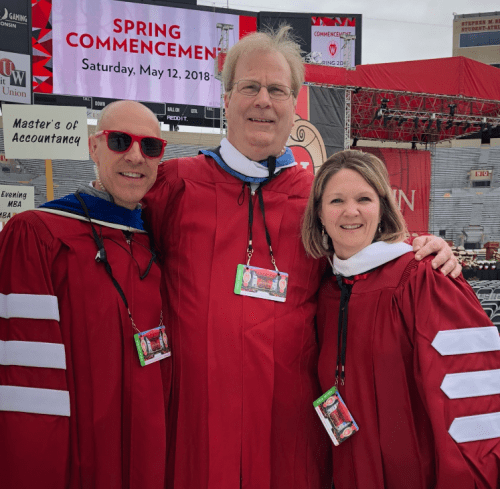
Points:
[[475, 428], [32, 354], [29, 306], [467, 340], [471, 384], [32, 400]]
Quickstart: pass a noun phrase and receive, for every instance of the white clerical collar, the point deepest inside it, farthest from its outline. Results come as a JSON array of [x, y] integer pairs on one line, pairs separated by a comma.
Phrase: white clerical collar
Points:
[[240, 163], [369, 258]]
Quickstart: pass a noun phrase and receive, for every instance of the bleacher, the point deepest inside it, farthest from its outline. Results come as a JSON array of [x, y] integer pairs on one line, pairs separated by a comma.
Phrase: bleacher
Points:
[[488, 293]]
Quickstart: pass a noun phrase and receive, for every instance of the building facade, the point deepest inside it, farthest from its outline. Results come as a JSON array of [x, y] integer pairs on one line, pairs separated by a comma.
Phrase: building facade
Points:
[[477, 36]]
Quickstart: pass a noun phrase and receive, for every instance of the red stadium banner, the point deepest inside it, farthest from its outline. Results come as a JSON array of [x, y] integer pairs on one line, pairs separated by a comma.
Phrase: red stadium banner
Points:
[[410, 176], [319, 132]]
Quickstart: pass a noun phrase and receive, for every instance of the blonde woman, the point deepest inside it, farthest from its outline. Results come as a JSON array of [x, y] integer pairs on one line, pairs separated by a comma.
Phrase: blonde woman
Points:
[[412, 353]]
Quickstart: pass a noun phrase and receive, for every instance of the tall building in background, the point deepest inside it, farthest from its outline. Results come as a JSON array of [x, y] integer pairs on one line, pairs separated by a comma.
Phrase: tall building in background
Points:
[[477, 36]]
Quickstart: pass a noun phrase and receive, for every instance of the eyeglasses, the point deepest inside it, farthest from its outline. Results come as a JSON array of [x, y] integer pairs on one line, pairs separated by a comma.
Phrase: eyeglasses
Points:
[[251, 88], [120, 142]]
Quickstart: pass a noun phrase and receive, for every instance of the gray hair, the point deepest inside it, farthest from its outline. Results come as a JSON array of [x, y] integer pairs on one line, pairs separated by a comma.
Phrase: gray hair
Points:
[[280, 41]]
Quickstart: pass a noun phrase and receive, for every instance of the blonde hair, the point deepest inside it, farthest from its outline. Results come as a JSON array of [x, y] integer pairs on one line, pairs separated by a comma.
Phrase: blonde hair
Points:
[[373, 170], [280, 41]]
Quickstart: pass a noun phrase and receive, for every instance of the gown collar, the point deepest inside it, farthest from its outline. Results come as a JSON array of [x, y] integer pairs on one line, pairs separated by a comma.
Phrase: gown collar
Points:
[[241, 167], [99, 208], [368, 258]]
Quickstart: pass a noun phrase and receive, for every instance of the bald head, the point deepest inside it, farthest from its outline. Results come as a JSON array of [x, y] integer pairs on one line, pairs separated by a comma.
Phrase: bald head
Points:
[[124, 170], [125, 108]]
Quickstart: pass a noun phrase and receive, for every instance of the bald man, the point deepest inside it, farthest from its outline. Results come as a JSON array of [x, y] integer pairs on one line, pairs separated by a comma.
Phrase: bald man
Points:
[[82, 342]]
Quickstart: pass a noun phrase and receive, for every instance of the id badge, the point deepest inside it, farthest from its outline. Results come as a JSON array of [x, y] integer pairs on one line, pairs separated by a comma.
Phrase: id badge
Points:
[[152, 345], [261, 283], [335, 416]]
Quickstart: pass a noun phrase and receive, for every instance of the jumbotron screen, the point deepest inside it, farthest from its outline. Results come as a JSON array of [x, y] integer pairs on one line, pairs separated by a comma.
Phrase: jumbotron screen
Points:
[[320, 34], [109, 49]]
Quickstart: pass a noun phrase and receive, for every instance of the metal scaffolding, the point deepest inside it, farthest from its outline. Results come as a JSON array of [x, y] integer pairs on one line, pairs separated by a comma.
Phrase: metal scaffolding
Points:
[[347, 51], [417, 117], [347, 119], [219, 59]]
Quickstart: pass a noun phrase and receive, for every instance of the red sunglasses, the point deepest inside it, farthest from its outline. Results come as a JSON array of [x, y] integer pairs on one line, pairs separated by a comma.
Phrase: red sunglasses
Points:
[[120, 142]]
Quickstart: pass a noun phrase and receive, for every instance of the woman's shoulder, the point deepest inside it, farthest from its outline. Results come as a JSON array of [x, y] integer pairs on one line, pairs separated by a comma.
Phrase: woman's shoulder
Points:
[[420, 279], [388, 275], [410, 268], [406, 266]]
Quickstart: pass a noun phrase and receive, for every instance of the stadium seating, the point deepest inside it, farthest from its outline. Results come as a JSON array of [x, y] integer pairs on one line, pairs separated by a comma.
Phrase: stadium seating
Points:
[[488, 293]]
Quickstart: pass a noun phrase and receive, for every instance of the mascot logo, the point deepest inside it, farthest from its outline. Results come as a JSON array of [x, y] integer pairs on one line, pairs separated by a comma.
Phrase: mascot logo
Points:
[[333, 49], [307, 145]]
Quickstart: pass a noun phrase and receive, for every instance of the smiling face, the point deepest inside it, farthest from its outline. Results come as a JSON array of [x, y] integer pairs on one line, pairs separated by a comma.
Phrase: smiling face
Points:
[[126, 176], [350, 212], [259, 126]]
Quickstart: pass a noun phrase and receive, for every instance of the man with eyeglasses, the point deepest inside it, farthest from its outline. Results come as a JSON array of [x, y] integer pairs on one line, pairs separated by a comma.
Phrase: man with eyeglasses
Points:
[[240, 292], [79, 297]]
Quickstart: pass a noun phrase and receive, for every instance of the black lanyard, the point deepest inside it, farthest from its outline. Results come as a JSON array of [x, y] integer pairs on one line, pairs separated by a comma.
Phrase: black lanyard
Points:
[[345, 295], [250, 249], [272, 167], [101, 256], [346, 284]]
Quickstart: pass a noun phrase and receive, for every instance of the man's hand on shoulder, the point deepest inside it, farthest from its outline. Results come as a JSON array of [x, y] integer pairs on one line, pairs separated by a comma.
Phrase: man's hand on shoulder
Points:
[[444, 259]]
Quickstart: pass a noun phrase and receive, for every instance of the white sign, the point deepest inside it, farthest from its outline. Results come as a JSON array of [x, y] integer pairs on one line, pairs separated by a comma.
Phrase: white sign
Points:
[[15, 77], [45, 132], [481, 174], [126, 50], [5, 160], [327, 41], [15, 199]]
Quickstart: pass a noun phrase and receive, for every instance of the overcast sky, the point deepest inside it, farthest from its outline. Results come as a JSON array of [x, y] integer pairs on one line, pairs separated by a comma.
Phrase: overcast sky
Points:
[[393, 30]]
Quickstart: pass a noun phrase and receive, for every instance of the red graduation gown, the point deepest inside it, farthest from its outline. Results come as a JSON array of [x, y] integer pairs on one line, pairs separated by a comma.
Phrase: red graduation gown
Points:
[[245, 369], [114, 436], [393, 379]]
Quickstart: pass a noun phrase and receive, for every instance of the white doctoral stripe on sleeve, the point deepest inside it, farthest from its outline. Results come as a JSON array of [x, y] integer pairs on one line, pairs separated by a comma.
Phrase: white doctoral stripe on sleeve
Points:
[[475, 428], [467, 340], [32, 354], [32, 400], [471, 384], [29, 306]]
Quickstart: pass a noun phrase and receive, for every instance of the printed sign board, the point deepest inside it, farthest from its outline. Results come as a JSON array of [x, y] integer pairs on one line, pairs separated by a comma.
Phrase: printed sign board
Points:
[[15, 35], [481, 174], [15, 77], [45, 132], [15, 199]]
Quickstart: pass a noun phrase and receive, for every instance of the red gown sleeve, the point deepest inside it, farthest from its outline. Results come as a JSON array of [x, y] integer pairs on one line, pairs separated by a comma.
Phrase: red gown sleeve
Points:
[[159, 200], [431, 303], [34, 397]]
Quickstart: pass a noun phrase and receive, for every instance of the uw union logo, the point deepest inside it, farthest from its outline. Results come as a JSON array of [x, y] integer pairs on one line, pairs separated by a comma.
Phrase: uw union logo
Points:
[[8, 70]]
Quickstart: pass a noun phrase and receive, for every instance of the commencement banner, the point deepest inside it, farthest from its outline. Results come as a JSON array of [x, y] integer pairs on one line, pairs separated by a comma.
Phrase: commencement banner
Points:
[[137, 51]]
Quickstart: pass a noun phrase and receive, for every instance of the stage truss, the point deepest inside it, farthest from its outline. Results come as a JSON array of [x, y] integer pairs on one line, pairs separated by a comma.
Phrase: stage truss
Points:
[[386, 115]]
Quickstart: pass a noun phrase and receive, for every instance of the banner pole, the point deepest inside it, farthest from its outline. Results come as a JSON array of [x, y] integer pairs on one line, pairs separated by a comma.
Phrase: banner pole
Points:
[[48, 180]]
